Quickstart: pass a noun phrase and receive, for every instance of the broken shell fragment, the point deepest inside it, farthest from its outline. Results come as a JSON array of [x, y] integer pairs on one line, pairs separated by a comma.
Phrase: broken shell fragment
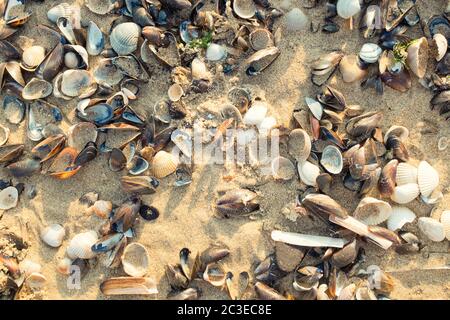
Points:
[[260, 60], [129, 286], [417, 57], [323, 205], [135, 260], [399, 217], [352, 69], [215, 275], [433, 229]]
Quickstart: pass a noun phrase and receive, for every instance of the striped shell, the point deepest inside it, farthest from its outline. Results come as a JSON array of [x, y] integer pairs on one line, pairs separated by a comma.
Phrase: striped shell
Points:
[[32, 57], [164, 164], [405, 193], [399, 217], [80, 245], [427, 177], [406, 173], [53, 235], [124, 38], [372, 211], [445, 220], [370, 52]]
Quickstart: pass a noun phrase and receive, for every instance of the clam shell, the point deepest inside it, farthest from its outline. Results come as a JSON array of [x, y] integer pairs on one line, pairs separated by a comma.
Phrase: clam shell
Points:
[[37, 89], [256, 114], [77, 83], [315, 107], [80, 134], [106, 72], [244, 9], [308, 173], [299, 144], [183, 141], [135, 260], [445, 220], [347, 8], [260, 39], [427, 177], [406, 173], [32, 57], [351, 70], [8, 198], [332, 160], [441, 46], [100, 6], [4, 135], [282, 169], [81, 244], [417, 58], [164, 164], [370, 52], [128, 286], [175, 92], [53, 235], [372, 211], [215, 52], [101, 208], [13, 109], [296, 20], [405, 193], [399, 217], [433, 229], [124, 38], [95, 40], [199, 70], [28, 267]]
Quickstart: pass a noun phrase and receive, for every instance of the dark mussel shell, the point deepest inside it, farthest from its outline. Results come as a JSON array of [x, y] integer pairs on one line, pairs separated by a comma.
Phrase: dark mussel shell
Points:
[[9, 51], [398, 149], [395, 12], [439, 24], [125, 216], [332, 98], [86, 155], [148, 213], [323, 206], [13, 109], [117, 160], [107, 242], [443, 67], [99, 114], [386, 184], [24, 168]]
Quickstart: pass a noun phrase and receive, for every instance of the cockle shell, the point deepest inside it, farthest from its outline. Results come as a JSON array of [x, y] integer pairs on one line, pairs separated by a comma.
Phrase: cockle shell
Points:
[[405, 193], [296, 20], [124, 38], [308, 173], [135, 260], [81, 244], [399, 217], [433, 229], [370, 52], [175, 92], [347, 8], [8, 198], [406, 173], [418, 57], [445, 220], [32, 57], [256, 114], [53, 235], [164, 164], [428, 178], [64, 10], [372, 211]]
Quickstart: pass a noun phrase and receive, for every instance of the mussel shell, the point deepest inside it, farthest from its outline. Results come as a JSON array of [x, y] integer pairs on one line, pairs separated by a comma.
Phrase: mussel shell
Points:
[[106, 72], [37, 89], [260, 60], [40, 115], [139, 184], [237, 202], [117, 160], [24, 167], [10, 152], [49, 147], [99, 114], [13, 109], [167, 53], [52, 64], [89, 153]]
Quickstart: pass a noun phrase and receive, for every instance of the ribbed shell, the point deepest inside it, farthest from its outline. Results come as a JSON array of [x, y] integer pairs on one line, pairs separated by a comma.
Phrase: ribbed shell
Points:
[[405, 193], [370, 52], [61, 10], [33, 56], [124, 38], [372, 211], [53, 235], [427, 177], [406, 173], [433, 229], [347, 8], [400, 216], [445, 220], [164, 164], [81, 244]]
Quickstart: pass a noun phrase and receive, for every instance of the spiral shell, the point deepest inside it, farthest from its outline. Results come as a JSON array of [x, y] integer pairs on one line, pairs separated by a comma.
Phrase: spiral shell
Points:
[[124, 38], [81, 244], [53, 235], [164, 164], [428, 178]]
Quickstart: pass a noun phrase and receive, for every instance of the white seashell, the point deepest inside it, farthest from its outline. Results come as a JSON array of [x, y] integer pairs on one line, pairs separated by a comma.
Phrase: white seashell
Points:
[[76, 83], [399, 217], [370, 52], [406, 173], [101, 208], [244, 9], [308, 173], [399, 131], [417, 57], [36, 281], [372, 211], [433, 229], [61, 10], [199, 70], [215, 52], [405, 193], [445, 220], [63, 266], [28, 267], [135, 260], [164, 164], [124, 38], [267, 125], [347, 8], [435, 197], [53, 235], [296, 20], [95, 40], [33, 56], [175, 92], [81, 244], [350, 68], [427, 177], [282, 169], [183, 141], [4, 135], [441, 46], [332, 160], [315, 107], [8, 198], [71, 60], [306, 240], [256, 114]]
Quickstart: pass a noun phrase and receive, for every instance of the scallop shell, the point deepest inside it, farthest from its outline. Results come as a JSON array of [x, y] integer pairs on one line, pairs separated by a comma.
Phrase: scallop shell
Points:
[[332, 160], [8, 198], [244, 9], [370, 52], [77, 83], [427, 177], [53, 235], [282, 169], [433, 229], [164, 164], [347, 8], [81, 244], [350, 68], [445, 220], [299, 144], [37, 89], [32, 57], [95, 40], [124, 38], [260, 39], [372, 211], [308, 173], [135, 260], [405, 193], [417, 58], [256, 114], [175, 92], [296, 20], [406, 173], [399, 217]]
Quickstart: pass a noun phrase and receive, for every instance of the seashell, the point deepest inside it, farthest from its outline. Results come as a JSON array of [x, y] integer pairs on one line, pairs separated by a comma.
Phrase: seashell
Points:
[[177, 4], [76, 57], [137, 165], [78, 83], [363, 124], [100, 6], [399, 217], [13, 69], [118, 135], [345, 256], [131, 67], [32, 57], [296, 20], [370, 52], [36, 281], [282, 169], [63, 266], [13, 109], [433, 229], [323, 68], [49, 147], [27, 267], [308, 173], [52, 64], [265, 292], [299, 144], [427, 177], [124, 38], [363, 292], [347, 8], [148, 213], [8, 198], [128, 286], [37, 89], [354, 110], [215, 52], [164, 164], [400, 132], [406, 173], [199, 70], [62, 166], [445, 220], [372, 211], [260, 60], [315, 107], [260, 39], [101, 208], [307, 278], [53, 235], [81, 244], [256, 114], [4, 135], [244, 9], [183, 141], [67, 30], [80, 134], [435, 197], [417, 58], [62, 10], [305, 240], [95, 40], [331, 159], [24, 167], [288, 257], [405, 193], [10, 152], [323, 205], [237, 202], [175, 92], [139, 184], [443, 143], [167, 54], [441, 45], [267, 125], [215, 275], [135, 260], [106, 72], [348, 292], [352, 69]]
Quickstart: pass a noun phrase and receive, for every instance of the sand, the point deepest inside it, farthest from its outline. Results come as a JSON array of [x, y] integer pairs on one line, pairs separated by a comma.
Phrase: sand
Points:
[[187, 218]]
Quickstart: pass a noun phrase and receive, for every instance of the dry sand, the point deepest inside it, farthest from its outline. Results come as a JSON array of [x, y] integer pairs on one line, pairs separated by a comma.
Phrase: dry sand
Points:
[[187, 218]]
